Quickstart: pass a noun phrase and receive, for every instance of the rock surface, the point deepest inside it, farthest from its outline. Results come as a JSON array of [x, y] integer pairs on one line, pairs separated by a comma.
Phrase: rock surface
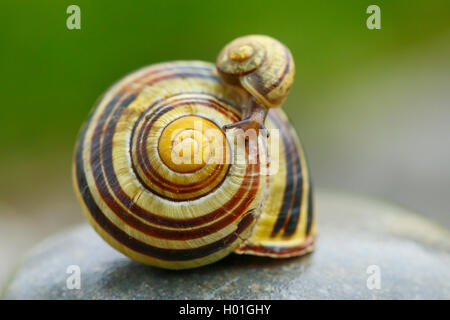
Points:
[[357, 238]]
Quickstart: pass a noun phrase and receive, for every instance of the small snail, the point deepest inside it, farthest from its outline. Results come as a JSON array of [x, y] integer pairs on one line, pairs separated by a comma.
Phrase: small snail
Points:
[[264, 67], [159, 179]]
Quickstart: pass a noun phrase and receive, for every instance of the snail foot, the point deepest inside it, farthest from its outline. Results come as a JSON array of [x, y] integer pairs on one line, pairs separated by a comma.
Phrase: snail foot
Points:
[[248, 124]]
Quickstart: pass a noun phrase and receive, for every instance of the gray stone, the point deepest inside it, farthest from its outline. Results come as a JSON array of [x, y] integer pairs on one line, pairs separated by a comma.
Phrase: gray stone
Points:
[[412, 254]]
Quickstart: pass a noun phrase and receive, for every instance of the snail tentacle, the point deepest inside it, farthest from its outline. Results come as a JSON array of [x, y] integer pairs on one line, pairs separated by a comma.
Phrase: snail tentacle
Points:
[[256, 115]]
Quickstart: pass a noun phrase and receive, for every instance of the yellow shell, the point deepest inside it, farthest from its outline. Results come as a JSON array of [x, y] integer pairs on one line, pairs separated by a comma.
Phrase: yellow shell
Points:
[[160, 181], [261, 65]]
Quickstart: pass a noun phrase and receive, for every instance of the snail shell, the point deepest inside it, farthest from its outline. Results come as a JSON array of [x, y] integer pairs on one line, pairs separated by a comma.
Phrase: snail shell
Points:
[[261, 65], [184, 214]]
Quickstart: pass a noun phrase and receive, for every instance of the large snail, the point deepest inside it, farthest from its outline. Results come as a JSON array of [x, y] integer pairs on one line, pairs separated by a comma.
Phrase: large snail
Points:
[[156, 167]]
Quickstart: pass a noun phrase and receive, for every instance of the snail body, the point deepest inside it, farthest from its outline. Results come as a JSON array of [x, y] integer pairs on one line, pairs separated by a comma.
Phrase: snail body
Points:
[[157, 177]]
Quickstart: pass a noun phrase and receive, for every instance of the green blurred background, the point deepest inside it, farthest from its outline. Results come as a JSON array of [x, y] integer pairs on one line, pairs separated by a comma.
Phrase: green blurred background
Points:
[[372, 106]]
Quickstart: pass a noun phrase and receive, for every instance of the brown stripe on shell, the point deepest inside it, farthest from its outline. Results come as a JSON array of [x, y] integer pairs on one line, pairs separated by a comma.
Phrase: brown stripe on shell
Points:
[[258, 82], [294, 179], [283, 75], [279, 252], [132, 87]]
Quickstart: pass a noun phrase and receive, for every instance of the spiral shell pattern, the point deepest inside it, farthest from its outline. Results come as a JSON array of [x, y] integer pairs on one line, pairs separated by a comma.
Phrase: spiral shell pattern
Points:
[[145, 200]]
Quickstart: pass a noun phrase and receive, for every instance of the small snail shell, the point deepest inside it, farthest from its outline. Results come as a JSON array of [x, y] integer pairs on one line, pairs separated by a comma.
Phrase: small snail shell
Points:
[[261, 65], [147, 202]]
